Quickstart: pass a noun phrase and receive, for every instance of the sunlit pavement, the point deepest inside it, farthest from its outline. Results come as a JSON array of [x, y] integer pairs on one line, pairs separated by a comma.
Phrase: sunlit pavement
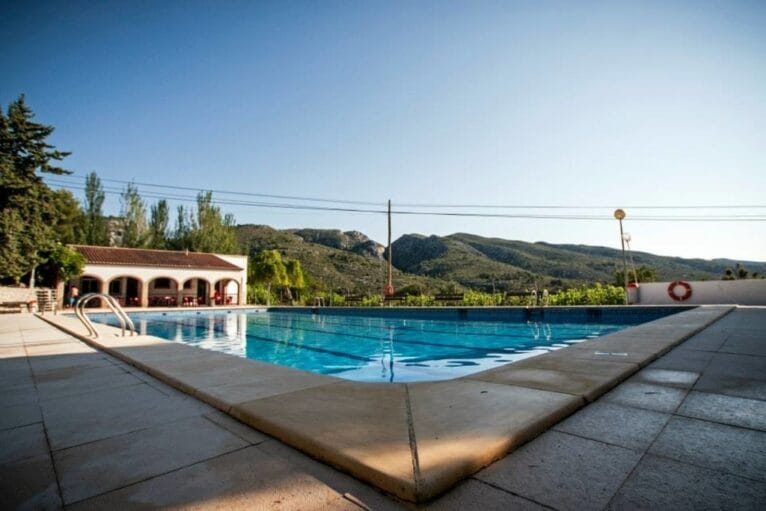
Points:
[[81, 429]]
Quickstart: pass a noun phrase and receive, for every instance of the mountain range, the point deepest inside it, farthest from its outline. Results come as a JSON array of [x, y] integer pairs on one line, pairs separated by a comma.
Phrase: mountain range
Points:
[[352, 263]]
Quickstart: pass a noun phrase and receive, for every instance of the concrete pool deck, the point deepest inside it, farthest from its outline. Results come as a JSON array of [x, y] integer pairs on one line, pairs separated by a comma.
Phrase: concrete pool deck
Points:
[[413, 440]]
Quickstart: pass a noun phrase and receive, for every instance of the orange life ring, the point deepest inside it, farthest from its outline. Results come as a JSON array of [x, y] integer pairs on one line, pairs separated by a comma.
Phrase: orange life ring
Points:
[[679, 298], [388, 290]]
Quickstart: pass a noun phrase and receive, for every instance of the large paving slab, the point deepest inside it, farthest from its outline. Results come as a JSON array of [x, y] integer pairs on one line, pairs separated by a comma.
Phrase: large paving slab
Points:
[[360, 428], [611, 423], [20, 415], [254, 386], [564, 471], [681, 359], [78, 419], [728, 383], [730, 449], [69, 381], [88, 470], [734, 411], [22, 442], [586, 378], [460, 426], [661, 483], [243, 480], [475, 494], [649, 396], [29, 484], [673, 378]]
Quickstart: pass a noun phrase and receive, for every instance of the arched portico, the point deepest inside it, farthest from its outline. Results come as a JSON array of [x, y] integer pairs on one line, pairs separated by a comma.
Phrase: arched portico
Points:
[[127, 290], [195, 291], [226, 292], [163, 292]]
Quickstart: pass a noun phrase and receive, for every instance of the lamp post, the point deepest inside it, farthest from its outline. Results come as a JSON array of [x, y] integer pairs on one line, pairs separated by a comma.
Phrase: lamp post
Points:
[[619, 215]]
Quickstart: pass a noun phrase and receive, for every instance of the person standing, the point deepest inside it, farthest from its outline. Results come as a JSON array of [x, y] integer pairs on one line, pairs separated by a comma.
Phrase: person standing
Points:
[[74, 293]]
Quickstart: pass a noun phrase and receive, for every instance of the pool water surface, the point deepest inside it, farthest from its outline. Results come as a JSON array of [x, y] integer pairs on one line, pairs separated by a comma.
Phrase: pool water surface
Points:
[[391, 347]]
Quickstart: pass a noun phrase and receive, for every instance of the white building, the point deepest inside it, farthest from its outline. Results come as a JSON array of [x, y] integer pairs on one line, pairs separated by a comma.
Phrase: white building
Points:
[[146, 278]]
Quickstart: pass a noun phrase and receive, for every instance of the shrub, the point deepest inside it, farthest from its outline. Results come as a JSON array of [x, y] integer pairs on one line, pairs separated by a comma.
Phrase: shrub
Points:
[[372, 301], [419, 301], [412, 289], [477, 298], [521, 301], [258, 294], [595, 295]]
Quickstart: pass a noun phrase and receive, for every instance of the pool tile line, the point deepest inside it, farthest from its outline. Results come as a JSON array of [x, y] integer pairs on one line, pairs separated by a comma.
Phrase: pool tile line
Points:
[[450, 445]]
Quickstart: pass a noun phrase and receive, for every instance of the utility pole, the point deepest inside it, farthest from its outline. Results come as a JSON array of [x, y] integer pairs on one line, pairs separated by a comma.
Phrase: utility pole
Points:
[[619, 215], [389, 289]]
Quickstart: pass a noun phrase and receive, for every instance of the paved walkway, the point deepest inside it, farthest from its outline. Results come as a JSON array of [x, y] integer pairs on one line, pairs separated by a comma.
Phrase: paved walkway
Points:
[[81, 429]]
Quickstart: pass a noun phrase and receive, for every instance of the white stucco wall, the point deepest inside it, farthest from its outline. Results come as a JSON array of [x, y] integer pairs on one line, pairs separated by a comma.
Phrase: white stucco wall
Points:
[[241, 261], [146, 274], [741, 292]]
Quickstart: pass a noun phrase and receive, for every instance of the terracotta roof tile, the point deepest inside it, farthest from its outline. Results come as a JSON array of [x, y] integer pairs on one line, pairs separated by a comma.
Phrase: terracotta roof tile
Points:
[[159, 258]]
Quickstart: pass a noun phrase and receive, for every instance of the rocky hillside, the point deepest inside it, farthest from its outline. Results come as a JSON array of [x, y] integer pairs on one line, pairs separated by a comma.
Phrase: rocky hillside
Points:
[[352, 262], [352, 241], [347, 262], [478, 262]]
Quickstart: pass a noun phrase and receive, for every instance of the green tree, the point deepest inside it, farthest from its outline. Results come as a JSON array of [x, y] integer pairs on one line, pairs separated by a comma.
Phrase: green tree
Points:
[[206, 229], [295, 276], [28, 213], [158, 225], [68, 224], [644, 274], [95, 228], [181, 238], [13, 264], [268, 269], [62, 263], [68, 263], [135, 230], [739, 272]]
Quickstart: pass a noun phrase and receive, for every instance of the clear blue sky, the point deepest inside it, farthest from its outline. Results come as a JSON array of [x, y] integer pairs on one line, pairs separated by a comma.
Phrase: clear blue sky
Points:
[[533, 103]]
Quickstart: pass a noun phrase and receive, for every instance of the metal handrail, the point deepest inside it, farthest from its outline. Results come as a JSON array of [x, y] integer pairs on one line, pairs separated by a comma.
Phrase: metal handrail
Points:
[[122, 317]]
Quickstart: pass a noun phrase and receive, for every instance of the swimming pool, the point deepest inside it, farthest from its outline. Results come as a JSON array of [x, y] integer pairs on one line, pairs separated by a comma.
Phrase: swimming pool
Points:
[[387, 345]]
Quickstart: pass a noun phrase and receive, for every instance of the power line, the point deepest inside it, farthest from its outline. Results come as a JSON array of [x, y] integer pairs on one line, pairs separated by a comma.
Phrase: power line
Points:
[[425, 205], [305, 207], [246, 194]]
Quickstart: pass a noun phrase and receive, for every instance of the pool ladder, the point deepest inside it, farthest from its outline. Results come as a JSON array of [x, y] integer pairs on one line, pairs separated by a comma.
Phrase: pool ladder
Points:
[[125, 321]]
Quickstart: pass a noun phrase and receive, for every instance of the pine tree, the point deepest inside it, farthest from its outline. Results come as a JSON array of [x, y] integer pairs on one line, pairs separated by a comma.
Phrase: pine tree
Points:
[[212, 231], [95, 229], [28, 207], [181, 239], [158, 225], [135, 229]]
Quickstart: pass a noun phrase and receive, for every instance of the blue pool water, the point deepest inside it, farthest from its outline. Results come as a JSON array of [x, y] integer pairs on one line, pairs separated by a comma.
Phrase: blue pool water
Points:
[[386, 345]]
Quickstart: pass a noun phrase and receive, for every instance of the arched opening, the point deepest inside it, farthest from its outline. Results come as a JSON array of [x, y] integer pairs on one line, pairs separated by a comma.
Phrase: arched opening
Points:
[[226, 292], [126, 290], [163, 292], [195, 292]]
